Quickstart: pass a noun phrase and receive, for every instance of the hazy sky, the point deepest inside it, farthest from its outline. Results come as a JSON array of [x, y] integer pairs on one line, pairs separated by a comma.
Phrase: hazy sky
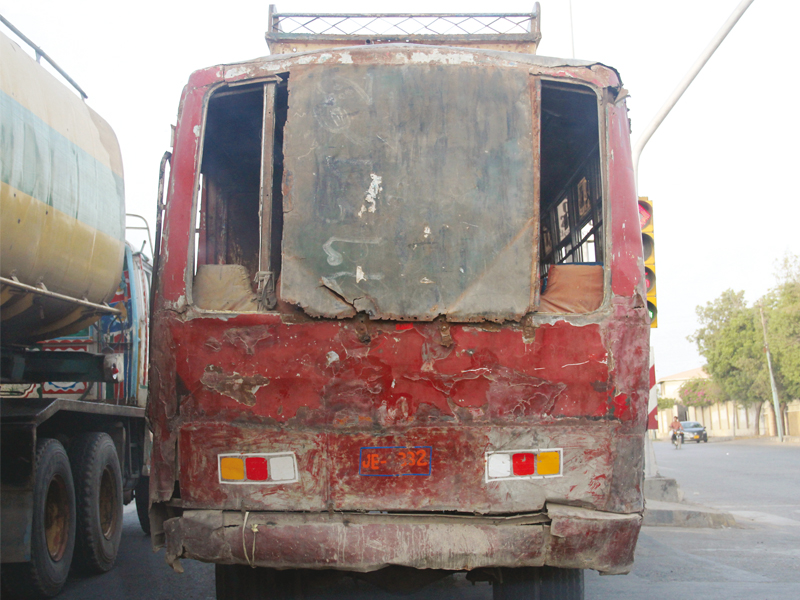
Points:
[[721, 170]]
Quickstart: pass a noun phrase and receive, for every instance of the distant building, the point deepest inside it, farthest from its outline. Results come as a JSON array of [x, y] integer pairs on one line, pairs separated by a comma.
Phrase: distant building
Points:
[[723, 419], [669, 386]]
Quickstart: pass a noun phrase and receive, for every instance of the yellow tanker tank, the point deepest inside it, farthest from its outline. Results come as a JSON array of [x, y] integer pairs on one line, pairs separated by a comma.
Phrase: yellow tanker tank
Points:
[[62, 205]]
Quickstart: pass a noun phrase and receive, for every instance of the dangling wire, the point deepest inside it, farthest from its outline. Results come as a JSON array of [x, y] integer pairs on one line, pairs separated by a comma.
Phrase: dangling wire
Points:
[[254, 529]]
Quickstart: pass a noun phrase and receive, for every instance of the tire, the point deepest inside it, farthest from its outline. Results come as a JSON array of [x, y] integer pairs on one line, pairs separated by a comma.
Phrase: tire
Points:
[[142, 497], [98, 484], [52, 527], [539, 583], [242, 582]]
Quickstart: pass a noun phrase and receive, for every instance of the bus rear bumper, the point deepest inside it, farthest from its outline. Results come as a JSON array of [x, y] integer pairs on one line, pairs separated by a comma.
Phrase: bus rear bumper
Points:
[[560, 536]]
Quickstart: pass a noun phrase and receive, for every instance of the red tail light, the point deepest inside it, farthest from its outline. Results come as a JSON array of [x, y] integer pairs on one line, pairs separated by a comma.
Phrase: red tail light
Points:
[[256, 467], [523, 463]]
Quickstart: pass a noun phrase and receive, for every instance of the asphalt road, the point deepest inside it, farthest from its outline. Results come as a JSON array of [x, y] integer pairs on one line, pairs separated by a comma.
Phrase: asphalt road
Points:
[[759, 483], [758, 560]]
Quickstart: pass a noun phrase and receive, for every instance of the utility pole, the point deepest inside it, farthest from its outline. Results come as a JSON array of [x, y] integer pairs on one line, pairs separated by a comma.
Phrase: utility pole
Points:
[[572, 29], [683, 85], [778, 415], [651, 469]]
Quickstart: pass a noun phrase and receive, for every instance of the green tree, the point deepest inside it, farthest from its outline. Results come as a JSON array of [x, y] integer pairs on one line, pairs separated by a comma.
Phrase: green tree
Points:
[[731, 339], [782, 311]]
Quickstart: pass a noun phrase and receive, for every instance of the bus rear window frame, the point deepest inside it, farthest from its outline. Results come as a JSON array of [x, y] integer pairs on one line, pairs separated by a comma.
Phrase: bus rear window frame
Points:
[[217, 90], [603, 97]]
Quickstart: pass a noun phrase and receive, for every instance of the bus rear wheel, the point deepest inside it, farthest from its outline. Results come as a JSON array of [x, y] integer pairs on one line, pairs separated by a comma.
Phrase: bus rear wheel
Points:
[[538, 583]]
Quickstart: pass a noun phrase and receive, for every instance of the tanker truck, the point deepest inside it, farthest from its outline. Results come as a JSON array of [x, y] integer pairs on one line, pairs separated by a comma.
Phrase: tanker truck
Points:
[[73, 304]]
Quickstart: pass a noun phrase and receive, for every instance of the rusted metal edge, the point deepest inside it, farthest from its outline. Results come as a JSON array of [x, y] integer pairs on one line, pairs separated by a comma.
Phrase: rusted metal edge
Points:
[[348, 518], [323, 541], [42, 291], [255, 70]]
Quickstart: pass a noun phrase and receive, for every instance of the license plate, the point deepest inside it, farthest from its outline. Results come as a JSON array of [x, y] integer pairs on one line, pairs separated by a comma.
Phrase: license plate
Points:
[[395, 461]]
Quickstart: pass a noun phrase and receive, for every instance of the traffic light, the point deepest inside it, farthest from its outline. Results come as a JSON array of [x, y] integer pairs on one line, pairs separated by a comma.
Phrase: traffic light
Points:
[[649, 251]]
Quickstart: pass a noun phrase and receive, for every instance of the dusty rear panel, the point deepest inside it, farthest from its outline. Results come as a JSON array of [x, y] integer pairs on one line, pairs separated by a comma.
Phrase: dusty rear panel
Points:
[[408, 193]]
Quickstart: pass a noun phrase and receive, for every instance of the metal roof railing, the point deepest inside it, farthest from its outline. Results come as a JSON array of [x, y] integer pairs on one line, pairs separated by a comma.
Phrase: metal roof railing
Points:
[[399, 24], [42, 54], [287, 31]]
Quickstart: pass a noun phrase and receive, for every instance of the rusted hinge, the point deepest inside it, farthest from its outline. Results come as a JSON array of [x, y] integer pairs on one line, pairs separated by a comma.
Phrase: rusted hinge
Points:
[[528, 328], [444, 331]]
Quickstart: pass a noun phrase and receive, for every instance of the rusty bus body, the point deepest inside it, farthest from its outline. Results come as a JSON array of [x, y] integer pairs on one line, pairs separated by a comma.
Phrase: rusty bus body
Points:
[[400, 315]]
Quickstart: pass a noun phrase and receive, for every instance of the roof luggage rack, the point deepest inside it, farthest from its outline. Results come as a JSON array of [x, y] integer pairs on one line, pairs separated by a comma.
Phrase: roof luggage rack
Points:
[[299, 32]]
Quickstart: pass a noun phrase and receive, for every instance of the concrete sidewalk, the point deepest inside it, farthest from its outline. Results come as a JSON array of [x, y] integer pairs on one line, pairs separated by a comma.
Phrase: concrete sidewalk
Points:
[[664, 507]]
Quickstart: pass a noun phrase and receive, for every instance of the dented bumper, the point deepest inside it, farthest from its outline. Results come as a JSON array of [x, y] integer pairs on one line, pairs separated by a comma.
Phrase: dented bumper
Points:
[[561, 536]]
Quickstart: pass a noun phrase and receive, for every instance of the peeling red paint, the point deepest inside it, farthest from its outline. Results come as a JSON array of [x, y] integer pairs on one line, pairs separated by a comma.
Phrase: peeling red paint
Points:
[[247, 337], [621, 406], [240, 388]]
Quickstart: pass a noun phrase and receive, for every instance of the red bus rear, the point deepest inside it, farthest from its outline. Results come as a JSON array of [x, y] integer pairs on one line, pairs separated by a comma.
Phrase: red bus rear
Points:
[[400, 319]]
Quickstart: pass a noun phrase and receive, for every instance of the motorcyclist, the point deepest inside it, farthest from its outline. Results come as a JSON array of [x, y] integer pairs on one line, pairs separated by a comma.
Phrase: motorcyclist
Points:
[[676, 428]]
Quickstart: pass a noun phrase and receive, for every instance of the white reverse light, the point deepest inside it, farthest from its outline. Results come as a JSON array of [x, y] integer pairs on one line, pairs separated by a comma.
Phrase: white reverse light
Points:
[[498, 465]]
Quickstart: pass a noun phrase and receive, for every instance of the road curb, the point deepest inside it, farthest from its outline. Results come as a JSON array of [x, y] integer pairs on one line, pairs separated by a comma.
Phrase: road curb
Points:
[[682, 514], [662, 489]]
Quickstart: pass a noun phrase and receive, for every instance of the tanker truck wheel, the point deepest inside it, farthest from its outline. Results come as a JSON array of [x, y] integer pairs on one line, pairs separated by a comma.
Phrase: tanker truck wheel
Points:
[[52, 527], [98, 485], [539, 583]]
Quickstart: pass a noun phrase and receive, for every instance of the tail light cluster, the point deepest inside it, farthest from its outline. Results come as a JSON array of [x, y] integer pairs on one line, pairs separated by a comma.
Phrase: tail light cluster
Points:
[[523, 464], [279, 467]]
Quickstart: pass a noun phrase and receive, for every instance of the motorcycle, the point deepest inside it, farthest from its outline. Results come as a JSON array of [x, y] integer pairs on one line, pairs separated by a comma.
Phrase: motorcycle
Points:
[[677, 439]]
